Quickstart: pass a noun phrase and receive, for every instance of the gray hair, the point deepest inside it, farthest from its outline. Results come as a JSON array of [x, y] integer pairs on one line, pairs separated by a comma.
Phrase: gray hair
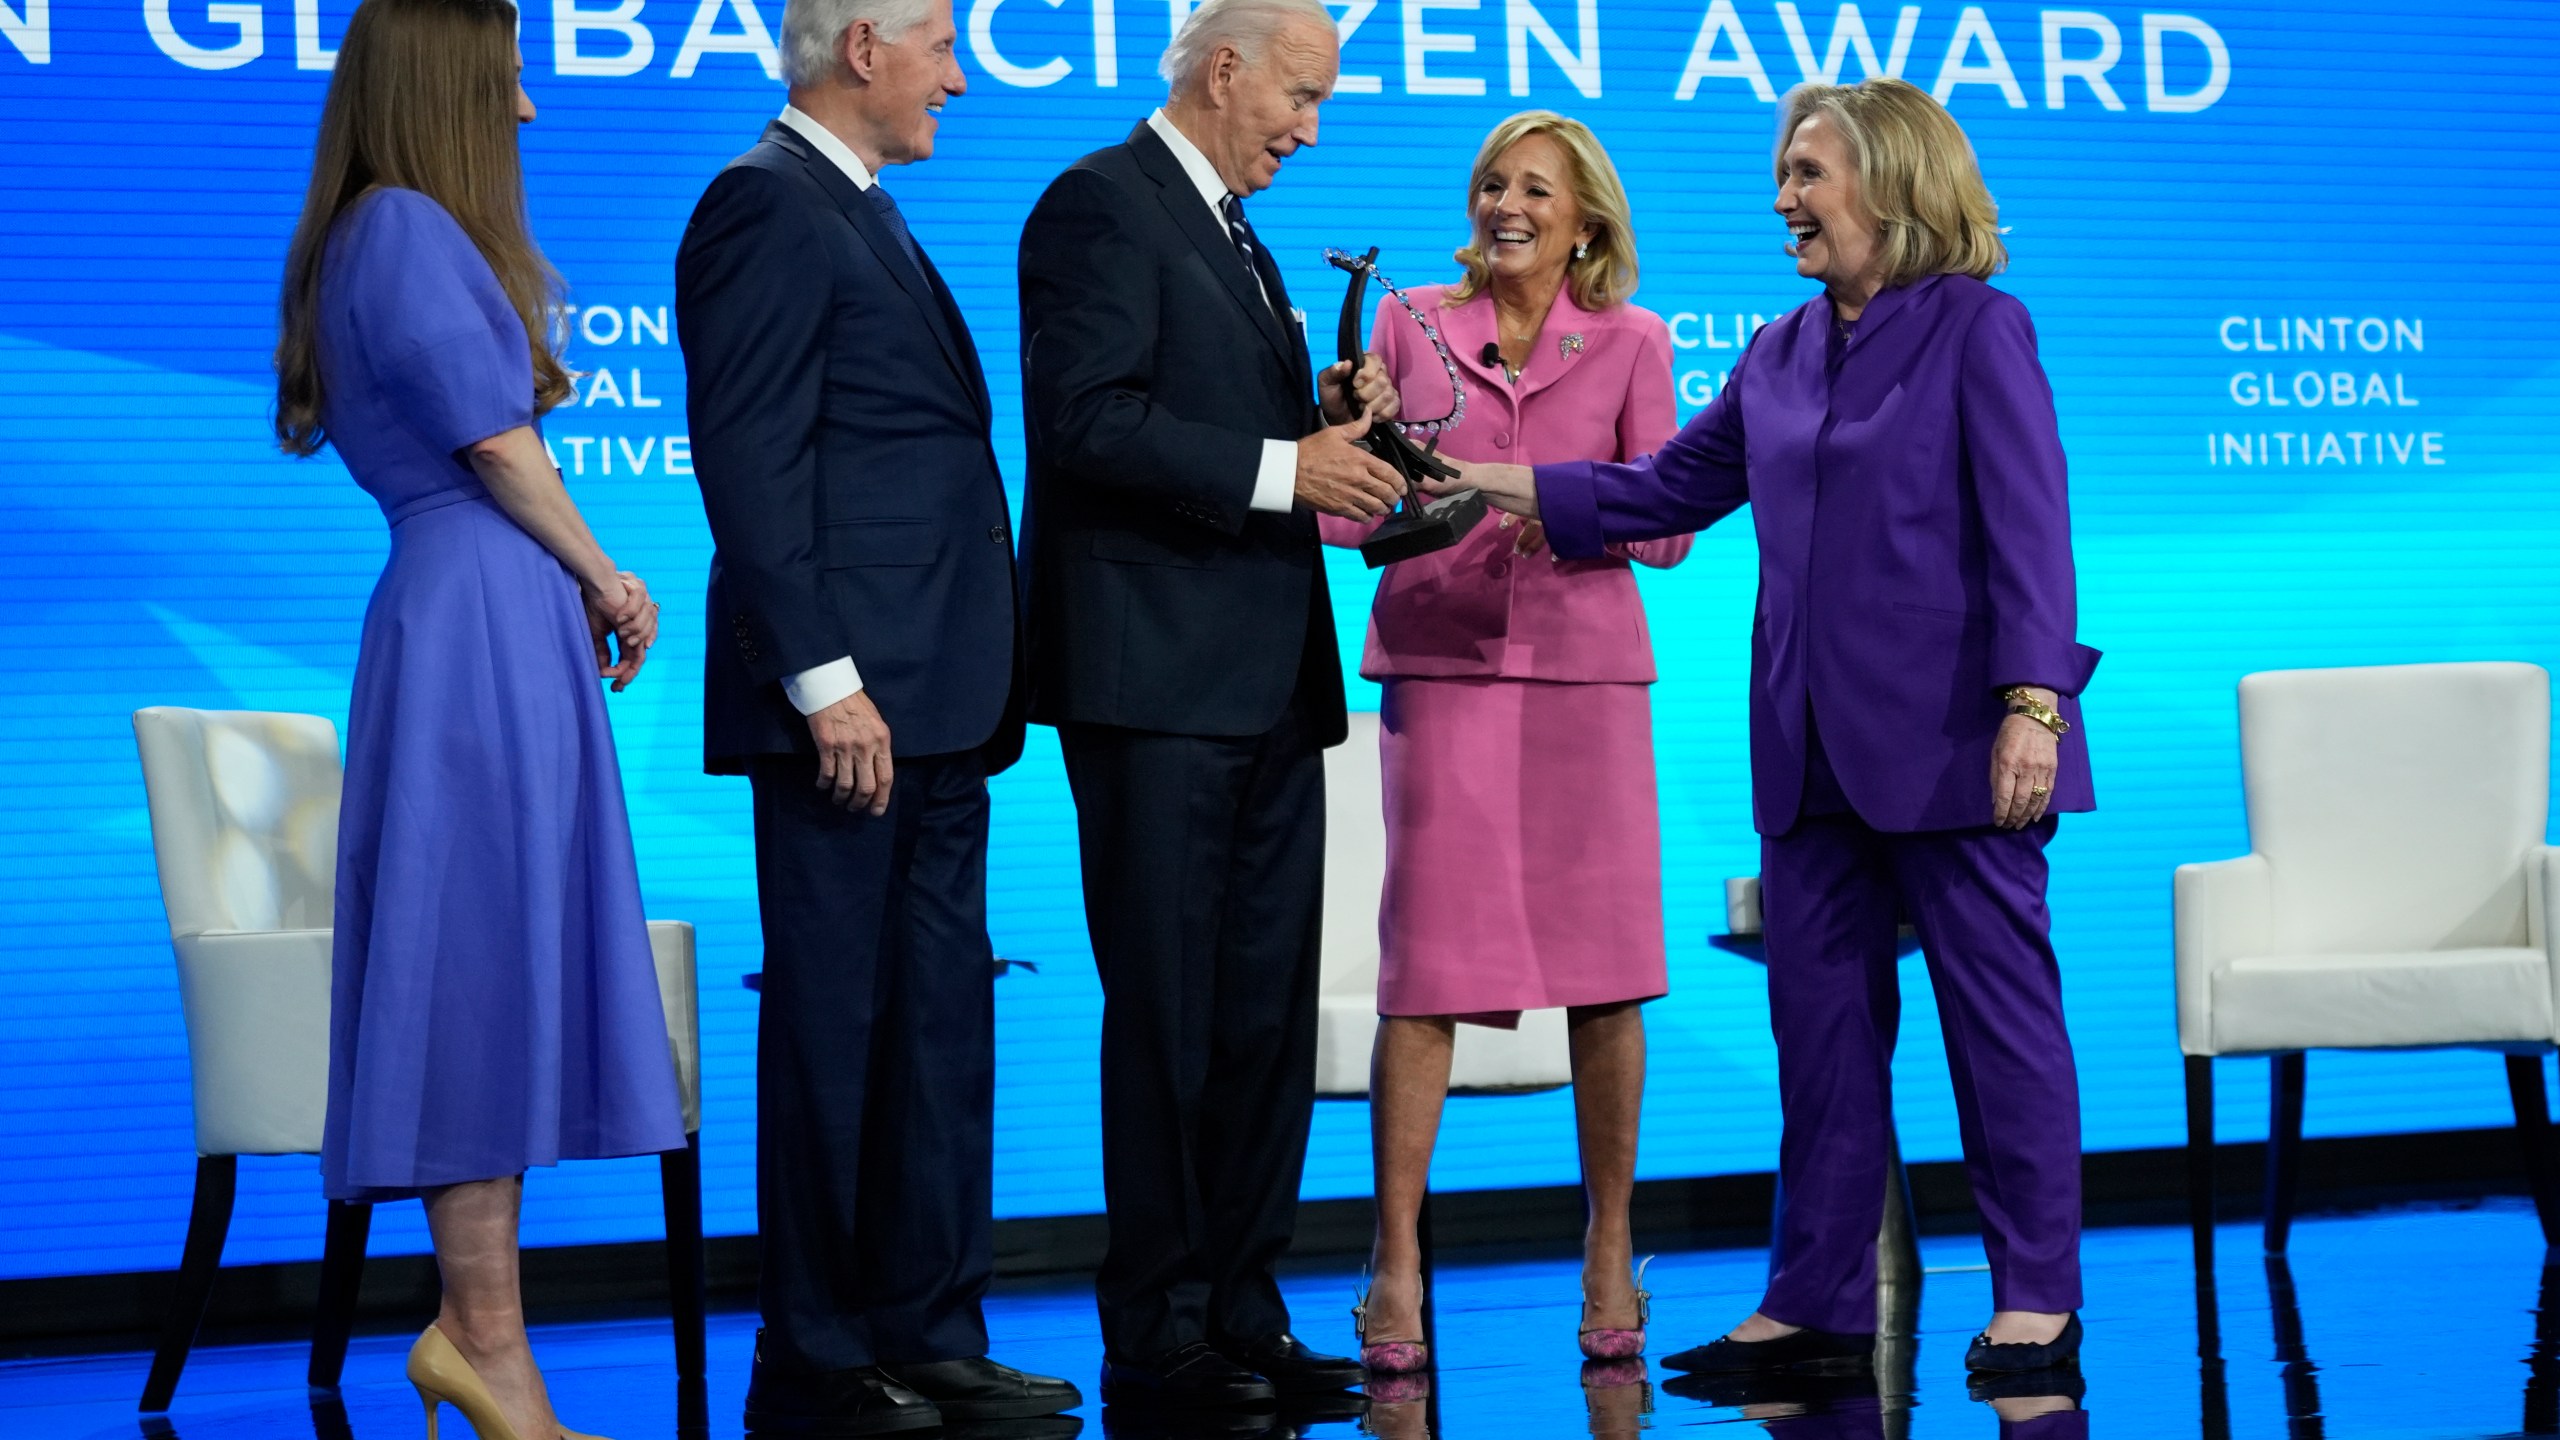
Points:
[[1245, 24], [813, 32]]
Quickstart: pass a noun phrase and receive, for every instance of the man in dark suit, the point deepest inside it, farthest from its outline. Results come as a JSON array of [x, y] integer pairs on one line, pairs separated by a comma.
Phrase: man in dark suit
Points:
[[863, 673], [1182, 641]]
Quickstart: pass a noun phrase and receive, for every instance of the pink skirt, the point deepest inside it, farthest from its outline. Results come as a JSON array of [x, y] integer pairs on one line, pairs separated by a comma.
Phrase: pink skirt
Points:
[[1524, 856]]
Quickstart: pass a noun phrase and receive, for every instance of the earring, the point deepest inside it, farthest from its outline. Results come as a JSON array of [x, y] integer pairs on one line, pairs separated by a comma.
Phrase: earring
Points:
[[1581, 249]]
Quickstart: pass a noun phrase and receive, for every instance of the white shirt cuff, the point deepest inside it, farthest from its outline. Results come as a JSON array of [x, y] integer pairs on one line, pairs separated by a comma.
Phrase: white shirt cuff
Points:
[[815, 689], [1275, 484]]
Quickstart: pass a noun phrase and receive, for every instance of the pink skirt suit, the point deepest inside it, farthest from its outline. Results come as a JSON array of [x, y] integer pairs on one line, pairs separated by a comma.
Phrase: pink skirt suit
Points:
[[1524, 854]]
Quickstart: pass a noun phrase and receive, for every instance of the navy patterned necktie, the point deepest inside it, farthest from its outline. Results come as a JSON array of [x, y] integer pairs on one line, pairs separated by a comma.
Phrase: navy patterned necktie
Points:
[[1256, 259], [882, 202]]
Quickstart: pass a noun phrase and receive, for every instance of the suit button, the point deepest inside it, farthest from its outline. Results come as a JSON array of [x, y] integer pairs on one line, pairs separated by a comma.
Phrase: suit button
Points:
[[1502, 437], [996, 533], [1500, 569]]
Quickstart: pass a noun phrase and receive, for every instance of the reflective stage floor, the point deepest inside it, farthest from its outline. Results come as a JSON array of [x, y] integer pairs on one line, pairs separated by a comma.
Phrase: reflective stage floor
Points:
[[2410, 1322]]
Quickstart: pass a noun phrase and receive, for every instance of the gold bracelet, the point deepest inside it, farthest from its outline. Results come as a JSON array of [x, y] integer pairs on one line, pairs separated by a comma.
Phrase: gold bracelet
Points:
[[2022, 703]]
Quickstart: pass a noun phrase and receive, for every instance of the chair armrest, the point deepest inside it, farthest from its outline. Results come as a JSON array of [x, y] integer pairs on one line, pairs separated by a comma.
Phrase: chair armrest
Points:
[[2224, 909], [257, 1010], [1742, 905], [2542, 914], [671, 947]]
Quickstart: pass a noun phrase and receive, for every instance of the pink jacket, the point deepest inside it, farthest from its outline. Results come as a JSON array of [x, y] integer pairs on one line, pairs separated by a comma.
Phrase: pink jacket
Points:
[[1597, 387]]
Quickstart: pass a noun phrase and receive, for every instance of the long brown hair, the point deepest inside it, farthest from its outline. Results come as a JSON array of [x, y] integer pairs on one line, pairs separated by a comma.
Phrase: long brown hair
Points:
[[424, 98]]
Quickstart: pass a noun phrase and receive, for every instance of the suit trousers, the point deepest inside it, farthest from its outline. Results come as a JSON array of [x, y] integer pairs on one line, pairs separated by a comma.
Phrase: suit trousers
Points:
[[1203, 886], [1832, 892], [875, 1068]]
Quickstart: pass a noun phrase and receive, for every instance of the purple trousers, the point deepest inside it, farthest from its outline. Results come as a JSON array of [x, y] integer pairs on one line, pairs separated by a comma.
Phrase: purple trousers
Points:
[[1832, 889]]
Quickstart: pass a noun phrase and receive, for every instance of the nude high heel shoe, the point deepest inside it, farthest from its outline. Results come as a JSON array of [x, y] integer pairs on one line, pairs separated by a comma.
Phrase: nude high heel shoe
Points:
[[443, 1377]]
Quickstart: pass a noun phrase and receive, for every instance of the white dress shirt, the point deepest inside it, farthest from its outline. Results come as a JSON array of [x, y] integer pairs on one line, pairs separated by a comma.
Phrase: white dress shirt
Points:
[[1275, 481], [820, 686]]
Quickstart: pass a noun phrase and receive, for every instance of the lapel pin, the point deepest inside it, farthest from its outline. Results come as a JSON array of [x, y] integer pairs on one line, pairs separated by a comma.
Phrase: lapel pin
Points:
[[1571, 344]]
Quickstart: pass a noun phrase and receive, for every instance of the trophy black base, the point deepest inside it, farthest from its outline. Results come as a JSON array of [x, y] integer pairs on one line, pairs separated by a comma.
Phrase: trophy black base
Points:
[[1413, 531]]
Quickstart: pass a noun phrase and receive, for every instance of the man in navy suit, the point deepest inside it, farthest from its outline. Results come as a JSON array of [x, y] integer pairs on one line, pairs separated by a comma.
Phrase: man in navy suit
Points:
[[1181, 639], [864, 674]]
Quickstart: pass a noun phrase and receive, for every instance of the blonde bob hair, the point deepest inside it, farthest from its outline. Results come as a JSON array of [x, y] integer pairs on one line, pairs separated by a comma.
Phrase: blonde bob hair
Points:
[[1916, 175], [1604, 276]]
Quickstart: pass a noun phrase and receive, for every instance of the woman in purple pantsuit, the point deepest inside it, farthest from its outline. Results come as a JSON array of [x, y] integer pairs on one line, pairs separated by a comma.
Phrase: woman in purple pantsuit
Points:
[[1914, 708], [494, 1005]]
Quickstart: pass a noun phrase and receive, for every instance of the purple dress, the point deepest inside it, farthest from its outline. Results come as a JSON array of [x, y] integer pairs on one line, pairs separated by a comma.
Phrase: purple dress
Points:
[[493, 1003]]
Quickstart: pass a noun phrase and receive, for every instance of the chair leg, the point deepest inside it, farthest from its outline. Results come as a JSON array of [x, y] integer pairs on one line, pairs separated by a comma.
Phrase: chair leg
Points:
[[341, 1277], [2533, 1132], [2285, 1076], [680, 1181], [208, 1224], [2200, 1158]]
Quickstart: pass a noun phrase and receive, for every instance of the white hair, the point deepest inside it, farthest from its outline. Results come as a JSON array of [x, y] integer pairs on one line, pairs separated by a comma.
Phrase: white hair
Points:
[[1245, 24], [813, 32]]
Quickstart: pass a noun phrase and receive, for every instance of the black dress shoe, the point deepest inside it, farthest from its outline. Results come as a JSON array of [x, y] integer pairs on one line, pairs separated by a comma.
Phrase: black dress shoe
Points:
[[2060, 1352], [1191, 1377], [1805, 1352], [833, 1405], [1291, 1367], [981, 1389]]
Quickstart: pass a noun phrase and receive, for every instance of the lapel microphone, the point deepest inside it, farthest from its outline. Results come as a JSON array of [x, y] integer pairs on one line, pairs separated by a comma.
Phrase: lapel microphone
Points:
[[1492, 356]]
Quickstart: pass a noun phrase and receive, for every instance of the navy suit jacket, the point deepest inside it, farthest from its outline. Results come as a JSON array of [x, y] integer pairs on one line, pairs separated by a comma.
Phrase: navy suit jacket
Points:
[[1152, 371], [840, 429]]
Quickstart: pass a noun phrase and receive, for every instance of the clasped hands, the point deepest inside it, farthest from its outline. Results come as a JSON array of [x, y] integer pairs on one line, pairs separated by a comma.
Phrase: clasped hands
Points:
[[622, 611]]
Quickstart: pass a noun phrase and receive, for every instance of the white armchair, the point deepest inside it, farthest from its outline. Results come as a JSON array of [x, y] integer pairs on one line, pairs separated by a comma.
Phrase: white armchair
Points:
[[244, 824], [2396, 896], [1537, 1056]]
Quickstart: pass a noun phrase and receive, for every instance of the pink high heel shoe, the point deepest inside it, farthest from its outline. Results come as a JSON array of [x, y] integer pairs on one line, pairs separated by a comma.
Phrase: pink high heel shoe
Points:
[[1386, 1357], [1608, 1343]]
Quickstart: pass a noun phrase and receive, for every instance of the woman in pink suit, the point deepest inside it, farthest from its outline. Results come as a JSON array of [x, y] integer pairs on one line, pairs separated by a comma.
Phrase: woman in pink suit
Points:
[[1494, 651]]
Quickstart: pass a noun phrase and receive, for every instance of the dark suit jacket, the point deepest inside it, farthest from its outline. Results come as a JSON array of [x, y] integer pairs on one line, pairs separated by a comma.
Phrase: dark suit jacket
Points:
[[841, 437], [1152, 371]]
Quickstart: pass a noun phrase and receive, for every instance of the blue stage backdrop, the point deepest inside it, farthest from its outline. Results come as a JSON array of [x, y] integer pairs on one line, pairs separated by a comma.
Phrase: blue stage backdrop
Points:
[[2291, 264]]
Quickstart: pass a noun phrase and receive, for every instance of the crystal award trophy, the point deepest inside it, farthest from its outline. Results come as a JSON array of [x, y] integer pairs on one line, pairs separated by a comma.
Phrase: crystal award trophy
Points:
[[1420, 524]]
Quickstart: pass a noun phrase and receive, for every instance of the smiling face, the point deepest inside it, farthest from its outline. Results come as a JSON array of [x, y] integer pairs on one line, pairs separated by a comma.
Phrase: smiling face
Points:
[[908, 80], [1265, 109], [1527, 220], [1834, 237]]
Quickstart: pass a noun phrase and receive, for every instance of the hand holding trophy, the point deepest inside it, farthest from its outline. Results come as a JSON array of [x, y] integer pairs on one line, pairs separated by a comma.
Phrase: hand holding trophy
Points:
[[1419, 525]]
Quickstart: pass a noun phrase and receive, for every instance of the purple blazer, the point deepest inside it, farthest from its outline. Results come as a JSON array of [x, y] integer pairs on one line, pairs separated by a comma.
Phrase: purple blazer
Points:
[[1915, 546]]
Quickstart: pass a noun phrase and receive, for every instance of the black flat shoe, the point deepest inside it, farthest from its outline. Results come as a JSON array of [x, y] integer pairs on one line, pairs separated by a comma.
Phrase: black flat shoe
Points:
[[1291, 1367], [1806, 1352], [2061, 1352], [1191, 1377], [981, 1389]]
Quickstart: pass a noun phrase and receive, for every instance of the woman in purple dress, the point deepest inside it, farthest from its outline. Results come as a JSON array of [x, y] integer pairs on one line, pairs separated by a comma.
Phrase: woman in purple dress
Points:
[[494, 1005], [1914, 707]]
